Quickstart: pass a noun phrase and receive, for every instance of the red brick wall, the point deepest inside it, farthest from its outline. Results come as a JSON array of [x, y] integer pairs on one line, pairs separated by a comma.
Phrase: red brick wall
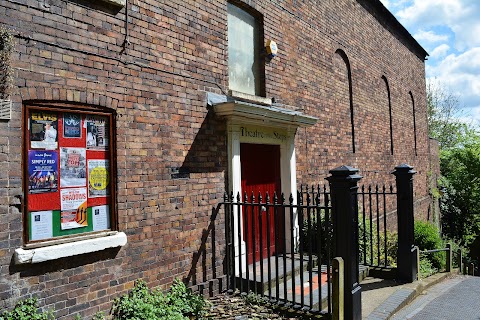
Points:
[[157, 84]]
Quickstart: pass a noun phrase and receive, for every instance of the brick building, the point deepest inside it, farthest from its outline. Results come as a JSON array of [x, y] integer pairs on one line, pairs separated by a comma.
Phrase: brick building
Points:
[[131, 118]]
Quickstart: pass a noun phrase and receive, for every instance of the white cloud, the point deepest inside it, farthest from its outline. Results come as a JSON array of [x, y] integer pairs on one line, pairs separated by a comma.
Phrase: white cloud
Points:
[[461, 16], [450, 31], [461, 73], [430, 36], [471, 116], [440, 51]]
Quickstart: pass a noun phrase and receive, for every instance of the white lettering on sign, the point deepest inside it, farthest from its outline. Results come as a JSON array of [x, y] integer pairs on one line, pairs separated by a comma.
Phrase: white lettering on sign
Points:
[[255, 133], [42, 161]]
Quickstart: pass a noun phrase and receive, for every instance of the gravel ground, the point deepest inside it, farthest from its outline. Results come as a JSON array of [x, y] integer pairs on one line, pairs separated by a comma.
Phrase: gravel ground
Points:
[[236, 307]]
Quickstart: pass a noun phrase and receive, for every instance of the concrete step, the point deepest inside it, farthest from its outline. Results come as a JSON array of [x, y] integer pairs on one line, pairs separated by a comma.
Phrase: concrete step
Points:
[[309, 293], [305, 292], [256, 278], [293, 281]]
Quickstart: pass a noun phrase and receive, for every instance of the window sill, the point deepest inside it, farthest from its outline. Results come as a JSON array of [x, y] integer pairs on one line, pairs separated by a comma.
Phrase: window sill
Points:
[[118, 3], [37, 255], [250, 98]]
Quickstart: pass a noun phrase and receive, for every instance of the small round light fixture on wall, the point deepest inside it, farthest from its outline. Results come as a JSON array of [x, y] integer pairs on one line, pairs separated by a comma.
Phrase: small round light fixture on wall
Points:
[[271, 48]]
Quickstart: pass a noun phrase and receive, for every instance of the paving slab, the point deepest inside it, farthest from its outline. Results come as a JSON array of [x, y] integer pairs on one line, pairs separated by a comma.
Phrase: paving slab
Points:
[[374, 292], [455, 298], [381, 298]]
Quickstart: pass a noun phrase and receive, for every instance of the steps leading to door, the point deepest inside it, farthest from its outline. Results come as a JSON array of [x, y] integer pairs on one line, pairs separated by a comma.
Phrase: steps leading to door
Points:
[[293, 278]]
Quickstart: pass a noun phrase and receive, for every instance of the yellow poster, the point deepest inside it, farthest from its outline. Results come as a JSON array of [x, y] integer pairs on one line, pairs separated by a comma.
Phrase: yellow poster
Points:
[[98, 178]]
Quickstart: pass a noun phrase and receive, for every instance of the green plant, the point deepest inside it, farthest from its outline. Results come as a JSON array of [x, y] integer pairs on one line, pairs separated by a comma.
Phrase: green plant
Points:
[[184, 300], [256, 299], [27, 310], [376, 247], [99, 316], [141, 303], [427, 237], [455, 247], [391, 249], [426, 268], [365, 240], [461, 185], [7, 44]]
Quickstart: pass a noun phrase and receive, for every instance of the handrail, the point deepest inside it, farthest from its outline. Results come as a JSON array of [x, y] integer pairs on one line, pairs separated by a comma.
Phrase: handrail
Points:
[[449, 257], [434, 250]]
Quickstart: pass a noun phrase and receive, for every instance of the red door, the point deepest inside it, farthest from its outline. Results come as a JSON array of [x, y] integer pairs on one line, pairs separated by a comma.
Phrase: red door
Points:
[[260, 165]]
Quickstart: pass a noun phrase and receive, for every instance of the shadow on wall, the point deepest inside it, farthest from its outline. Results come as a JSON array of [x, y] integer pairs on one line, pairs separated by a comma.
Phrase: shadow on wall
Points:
[[29, 270], [105, 6], [207, 271], [208, 152]]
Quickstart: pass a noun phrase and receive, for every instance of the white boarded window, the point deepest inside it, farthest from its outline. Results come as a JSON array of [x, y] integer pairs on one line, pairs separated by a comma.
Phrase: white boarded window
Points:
[[243, 53]]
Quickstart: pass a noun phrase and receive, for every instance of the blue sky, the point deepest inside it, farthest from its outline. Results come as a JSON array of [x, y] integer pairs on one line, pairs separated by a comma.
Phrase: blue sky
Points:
[[449, 30]]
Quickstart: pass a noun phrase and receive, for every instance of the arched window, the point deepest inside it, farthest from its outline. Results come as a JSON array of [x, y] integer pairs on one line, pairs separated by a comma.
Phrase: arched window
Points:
[[344, 93], [414, 122], [389, 113]]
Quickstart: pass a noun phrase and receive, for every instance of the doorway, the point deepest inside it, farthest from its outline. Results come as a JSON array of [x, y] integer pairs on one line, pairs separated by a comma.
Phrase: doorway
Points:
[[260, 167]]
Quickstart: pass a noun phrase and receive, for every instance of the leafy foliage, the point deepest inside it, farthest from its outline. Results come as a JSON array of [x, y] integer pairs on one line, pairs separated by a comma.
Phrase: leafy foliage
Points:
[[461, 183], [27, 310], [184, 300], [459, 165], [99, 316], [427, 237], [179, 303], [374, 247], [444, 117], [426, 268], [256, 299], [143, 304], [455, 247], [371, 244]]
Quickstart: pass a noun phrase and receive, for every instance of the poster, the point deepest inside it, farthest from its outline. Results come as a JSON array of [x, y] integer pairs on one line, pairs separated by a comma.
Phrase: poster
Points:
[[74, 208], [100, 218], [43, 130], [97, 132], [42, 171], [73, 167], [98, 178], [41, 225], [74, 219], [72, 127], [73, 198]]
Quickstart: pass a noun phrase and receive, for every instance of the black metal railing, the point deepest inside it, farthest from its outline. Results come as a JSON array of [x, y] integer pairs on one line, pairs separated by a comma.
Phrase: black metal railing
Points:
[[377, 233], [281, 248]]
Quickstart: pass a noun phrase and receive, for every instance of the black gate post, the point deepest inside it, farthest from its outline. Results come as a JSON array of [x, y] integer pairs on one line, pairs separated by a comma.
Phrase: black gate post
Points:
[[343, 188], [406, 260]]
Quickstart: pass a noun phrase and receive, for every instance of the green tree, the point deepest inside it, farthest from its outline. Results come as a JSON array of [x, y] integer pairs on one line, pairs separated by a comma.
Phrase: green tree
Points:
[[459, 164], [461, 179], [444, 117]]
